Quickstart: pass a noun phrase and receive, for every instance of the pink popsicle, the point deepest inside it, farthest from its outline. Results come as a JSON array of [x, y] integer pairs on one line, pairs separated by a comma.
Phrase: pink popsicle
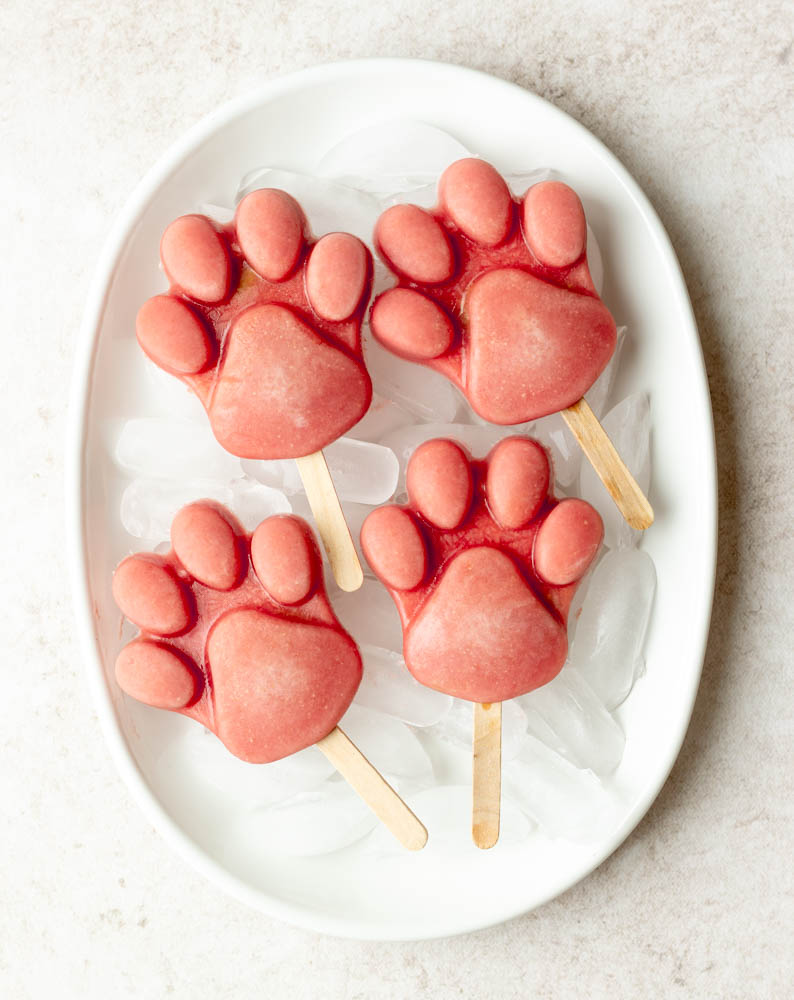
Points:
[[237, 633], [483, 564], [495, 293], [264, 325]]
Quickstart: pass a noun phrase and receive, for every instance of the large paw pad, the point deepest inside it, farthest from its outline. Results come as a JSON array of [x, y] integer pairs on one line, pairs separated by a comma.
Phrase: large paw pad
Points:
[[237, 633], [483, 564], [264, 325], [495, 294]]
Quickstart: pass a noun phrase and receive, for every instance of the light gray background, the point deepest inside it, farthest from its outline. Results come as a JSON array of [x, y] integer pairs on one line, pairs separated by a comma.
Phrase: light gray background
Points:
[[696, 100]]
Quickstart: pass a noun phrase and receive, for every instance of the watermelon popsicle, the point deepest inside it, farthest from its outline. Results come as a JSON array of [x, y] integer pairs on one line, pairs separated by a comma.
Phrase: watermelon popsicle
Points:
[[483, 564], [495, 293], [237, 632], [264, 325]]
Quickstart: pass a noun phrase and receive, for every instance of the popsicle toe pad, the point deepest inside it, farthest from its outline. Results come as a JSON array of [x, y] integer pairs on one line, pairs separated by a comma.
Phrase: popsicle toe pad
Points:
[[483, 564], [264, 325], [495, 293], [237, 633]]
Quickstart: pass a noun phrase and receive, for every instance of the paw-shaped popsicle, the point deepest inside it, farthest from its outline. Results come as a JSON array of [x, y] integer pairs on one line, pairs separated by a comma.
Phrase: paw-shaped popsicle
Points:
[[237, 633], [264, 325], [495, 293], [483, 565]]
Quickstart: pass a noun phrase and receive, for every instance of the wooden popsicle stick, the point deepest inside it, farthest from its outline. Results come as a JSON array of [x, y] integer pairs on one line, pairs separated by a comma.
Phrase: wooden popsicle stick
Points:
[[609, 466], [373, 789], [331, 524], [486, 774]]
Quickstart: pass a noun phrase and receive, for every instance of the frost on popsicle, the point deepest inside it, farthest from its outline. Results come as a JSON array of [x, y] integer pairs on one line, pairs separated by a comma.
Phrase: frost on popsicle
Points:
[[162, 448]]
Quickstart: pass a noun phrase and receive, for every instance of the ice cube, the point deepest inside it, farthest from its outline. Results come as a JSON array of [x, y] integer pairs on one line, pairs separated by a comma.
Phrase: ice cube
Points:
[[381, 418], [141, 388], [553, 432], [569, 717], [477, 439], [382, 280], [148, 505], [457, 725], [392, 155], [219, 213], [389, 745], [520, 181], [252, 503], [607, 647], [580, 597], [161, 448], [277, 473], [418, 190], [330, 206], [174, 398], [421, 391], [566, 455], [598, 394], [389, 687], [199, 753], [369, 614], [355, 515], [311, 823], [595, 261], [628, 427], [446, 812], [362, 471], [564, 800]]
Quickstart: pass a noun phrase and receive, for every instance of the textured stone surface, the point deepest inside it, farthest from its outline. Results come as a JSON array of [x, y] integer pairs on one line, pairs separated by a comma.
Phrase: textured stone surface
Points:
[[696, 100]]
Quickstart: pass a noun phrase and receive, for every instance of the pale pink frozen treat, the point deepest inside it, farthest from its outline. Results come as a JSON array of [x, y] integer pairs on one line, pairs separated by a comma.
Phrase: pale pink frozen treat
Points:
[[237, 633], [483, 564], [264, 325], [495, 293]]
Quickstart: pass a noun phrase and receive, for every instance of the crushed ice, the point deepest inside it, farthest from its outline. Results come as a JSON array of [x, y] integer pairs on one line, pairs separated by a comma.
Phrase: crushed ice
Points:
[[558, 741]]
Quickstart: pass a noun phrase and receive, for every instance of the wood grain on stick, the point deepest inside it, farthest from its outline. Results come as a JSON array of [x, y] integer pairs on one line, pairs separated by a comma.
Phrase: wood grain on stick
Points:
[[373, 789], [609, 466], [331, 524], [486, 774]]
